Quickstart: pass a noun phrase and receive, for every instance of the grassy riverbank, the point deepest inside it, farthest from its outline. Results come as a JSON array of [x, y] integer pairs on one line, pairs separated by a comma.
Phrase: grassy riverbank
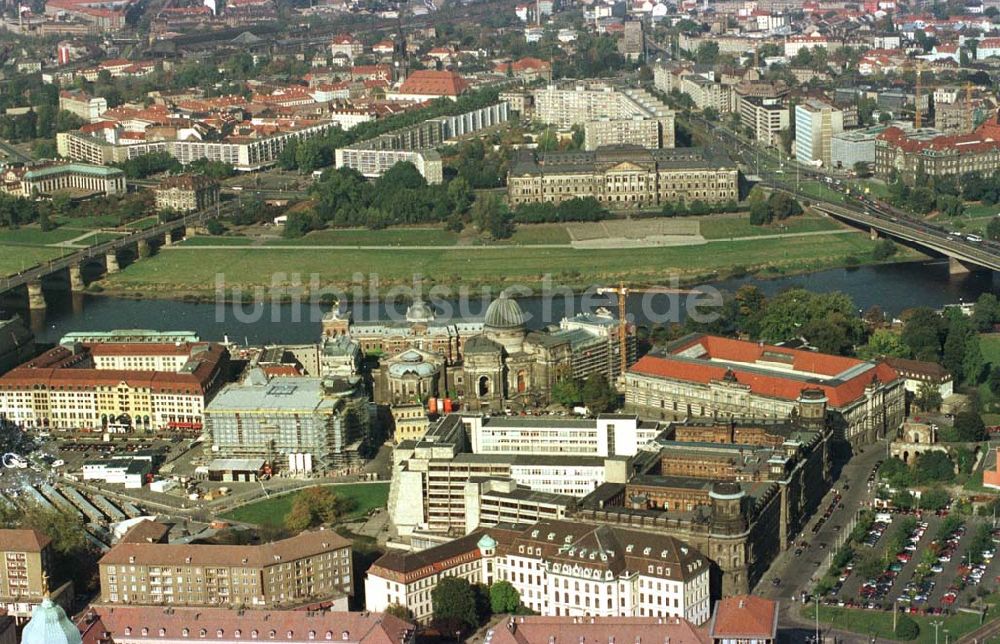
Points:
[[193, 270]]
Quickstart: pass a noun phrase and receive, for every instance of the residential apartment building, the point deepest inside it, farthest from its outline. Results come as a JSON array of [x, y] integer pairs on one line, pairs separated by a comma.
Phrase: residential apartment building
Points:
[[186, 193], [105, 623], [762, 108], [624, 177], [114, 386], [938, 154], [709, 376], [305, 423], [311, 567], [26, 571], [45, 180], [565, 106], [644, 133], [87, 107], [243, 152], [816, 123], [558, 568]]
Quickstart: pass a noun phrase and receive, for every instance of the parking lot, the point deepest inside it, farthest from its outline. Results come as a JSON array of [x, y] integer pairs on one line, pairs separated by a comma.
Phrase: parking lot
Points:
[[922, 563]]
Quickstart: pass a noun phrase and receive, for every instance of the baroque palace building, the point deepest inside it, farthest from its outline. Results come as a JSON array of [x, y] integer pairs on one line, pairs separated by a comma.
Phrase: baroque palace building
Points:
[[485, 363], [624, 176]]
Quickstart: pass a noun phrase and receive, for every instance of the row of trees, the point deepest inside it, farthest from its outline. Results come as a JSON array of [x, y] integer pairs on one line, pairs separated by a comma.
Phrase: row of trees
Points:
[[43, 121], [777, 206], [576, 209], [460, 607]]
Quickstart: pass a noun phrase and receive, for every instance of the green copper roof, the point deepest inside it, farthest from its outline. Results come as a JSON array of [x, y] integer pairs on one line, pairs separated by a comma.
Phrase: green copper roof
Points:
[[80, 168]]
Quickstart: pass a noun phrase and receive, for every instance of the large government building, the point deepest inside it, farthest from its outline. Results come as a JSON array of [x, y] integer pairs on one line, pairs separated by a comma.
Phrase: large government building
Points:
[[704, 376], [116, 386], [558, 568], [936, 154], [624, 176], [487, 363]]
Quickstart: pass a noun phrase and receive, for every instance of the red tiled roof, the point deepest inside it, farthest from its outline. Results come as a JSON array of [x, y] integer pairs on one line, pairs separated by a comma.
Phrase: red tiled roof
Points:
[[293, 626], [524, 64], [434, 83], [745, 617], [747, 362], [597, 630], [985, 138], [23, 541]]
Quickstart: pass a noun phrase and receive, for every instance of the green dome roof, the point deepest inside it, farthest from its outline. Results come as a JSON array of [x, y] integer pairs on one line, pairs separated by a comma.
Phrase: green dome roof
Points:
[[486, 542], [49, 625], [504, 313]]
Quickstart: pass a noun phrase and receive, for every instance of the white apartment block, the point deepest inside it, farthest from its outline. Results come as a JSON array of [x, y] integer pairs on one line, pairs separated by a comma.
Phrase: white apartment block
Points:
[[607, 435], [559, 568], [565, 106]]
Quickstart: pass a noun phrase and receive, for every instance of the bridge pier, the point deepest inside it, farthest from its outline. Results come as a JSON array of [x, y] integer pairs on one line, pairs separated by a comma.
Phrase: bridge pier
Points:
[[168, 238], [873, 234], [142, 248], [111, 260], [190, 231], [956, 267], [36, 297], [76, 282]]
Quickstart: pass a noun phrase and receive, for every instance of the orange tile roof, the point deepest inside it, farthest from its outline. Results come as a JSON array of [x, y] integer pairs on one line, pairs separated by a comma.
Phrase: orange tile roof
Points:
[[745, 617], [23, 541], [843, 380], [597, 630], [430, 82]]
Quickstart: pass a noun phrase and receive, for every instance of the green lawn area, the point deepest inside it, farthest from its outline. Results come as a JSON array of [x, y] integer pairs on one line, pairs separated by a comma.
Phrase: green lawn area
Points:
[[190, 270], [100, 238], [879, 623], [875, 187], [528, 234], [365, 496], [16, 258], [34, 236], [365, 237], [88, 223], [144, 223], [820, 190], [989, 345], [217, 241], [725, 227]]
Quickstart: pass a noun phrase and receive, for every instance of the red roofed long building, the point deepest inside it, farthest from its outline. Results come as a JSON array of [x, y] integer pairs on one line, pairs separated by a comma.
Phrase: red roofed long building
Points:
[[104, 624], [429, 84], [905, 153], [744, 618], [115, 387], [710, 376]]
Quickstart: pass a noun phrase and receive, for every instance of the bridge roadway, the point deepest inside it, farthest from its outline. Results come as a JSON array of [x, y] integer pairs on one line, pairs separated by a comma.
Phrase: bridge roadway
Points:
[[38, 272], [875, 216]]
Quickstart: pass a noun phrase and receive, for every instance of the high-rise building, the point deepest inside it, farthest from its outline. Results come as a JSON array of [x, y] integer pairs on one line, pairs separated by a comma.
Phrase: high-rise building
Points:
[[815, 124]]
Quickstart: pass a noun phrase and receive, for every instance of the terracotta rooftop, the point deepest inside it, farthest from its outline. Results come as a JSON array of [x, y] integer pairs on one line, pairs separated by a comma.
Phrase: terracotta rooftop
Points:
[[146, 532], [158, 624], [429, 82], [534, 629], [744, 617], [771, 371], [23, 541], [304, 545]]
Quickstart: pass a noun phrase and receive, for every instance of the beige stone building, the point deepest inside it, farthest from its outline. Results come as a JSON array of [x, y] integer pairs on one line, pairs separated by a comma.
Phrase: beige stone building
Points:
[[187, 193], [26, 572], [311, 567], [624, 177]]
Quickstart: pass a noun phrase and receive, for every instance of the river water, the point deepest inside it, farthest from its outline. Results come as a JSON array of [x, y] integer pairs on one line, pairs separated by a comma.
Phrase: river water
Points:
[[893, 287]]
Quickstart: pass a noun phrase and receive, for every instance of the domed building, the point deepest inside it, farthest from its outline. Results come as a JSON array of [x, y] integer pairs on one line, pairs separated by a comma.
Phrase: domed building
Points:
[[487, 363], [50, 625]]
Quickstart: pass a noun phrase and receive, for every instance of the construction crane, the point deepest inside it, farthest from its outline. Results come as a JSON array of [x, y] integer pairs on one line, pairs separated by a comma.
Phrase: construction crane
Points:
[[969, 122], [623, 292], [916, 97]]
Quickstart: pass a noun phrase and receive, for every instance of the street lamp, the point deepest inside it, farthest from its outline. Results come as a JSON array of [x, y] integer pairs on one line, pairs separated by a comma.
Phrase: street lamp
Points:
[[936, 625]]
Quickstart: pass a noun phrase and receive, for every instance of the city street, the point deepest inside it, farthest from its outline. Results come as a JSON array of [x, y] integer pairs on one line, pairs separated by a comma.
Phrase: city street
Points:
[[798, 573]]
